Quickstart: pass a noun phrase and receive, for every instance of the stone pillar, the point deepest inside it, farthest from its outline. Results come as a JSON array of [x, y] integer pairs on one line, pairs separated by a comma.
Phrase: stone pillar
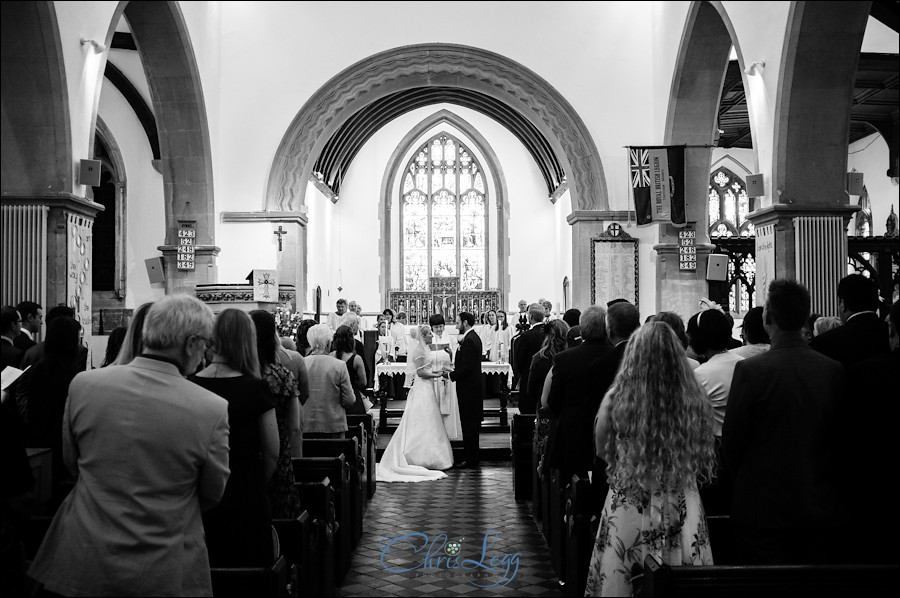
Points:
[[185, 281], [291, 259], [586, 225], [680, 290], [804, 242]]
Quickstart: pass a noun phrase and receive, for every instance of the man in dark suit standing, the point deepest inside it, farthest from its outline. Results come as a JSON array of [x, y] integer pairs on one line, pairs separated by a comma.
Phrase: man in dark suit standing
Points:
[[780, 440], [526, 345], [863, 335], [32, 316], [571, 387], [469, 391], [11, 325]]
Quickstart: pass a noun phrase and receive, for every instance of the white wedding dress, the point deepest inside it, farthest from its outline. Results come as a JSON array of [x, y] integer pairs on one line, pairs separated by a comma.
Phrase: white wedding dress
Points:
[[420, 448]]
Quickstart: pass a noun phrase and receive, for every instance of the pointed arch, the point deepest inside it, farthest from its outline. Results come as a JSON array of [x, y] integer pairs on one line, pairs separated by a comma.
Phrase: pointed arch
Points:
[[389, 182]]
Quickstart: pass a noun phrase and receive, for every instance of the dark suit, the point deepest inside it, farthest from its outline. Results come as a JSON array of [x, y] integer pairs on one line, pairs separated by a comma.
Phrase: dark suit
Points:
[[863, 336], [469, 393], [780, 444], [23, 342], [9, 354], [527, 344], [571, 401]]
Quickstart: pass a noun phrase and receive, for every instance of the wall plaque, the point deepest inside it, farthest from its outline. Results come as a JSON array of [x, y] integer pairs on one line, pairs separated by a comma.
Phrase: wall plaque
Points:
[[687, 249], [187, 237], [614, 266]]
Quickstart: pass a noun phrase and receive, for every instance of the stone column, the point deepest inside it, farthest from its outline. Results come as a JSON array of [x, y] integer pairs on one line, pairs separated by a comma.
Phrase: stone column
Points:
[[804, 242], [185, 281], [680, 290]]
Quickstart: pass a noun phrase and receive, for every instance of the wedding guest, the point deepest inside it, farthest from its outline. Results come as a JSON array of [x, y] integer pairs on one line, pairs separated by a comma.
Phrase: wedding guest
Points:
[[113, 345], [502, 337], [756, 339], [46, 386], [863, 334], [554, 342], [330, 390], [296, 364], [709, 332], [824, 324], [238, 529], [151, 451], [343, 348], [302, 341], [677, 325], [10, 326], [526, 345], [32, 316], [779, 440], [334, 318], [34, 354], [284, 498], [133, 343], [808, 330], [654, 430]]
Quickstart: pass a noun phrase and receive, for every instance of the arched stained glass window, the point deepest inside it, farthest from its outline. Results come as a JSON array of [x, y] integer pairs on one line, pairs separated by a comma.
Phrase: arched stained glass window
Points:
[[729, 205], [443, 216]]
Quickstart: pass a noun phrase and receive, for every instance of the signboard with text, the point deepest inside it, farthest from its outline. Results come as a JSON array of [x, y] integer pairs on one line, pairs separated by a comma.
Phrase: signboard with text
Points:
[[687, 249], [187, 236]]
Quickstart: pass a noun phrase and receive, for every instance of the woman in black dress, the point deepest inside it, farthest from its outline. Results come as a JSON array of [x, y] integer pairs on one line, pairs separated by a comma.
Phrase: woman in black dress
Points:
[[343, 346], [239, 528]]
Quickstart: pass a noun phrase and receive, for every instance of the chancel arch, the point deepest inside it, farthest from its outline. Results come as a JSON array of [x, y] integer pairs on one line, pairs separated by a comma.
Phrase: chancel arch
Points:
[[497, 244]]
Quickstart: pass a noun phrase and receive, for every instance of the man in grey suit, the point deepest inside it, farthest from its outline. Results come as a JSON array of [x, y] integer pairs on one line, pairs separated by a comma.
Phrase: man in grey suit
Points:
[[780, 440], [151, 451]]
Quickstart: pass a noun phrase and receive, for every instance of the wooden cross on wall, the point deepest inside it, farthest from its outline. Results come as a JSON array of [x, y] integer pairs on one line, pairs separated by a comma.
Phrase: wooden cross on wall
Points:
[[279, 232]]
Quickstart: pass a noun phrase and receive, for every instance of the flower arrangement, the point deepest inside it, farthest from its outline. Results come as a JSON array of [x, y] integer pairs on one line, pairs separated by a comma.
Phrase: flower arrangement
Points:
[[287, 321]]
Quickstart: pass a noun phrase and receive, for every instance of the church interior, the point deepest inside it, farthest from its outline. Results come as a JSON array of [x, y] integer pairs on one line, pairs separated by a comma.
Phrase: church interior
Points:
[[438, 159]]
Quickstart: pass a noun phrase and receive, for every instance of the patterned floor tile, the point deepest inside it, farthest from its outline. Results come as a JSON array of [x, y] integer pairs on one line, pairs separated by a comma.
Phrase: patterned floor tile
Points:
[[453, 527]]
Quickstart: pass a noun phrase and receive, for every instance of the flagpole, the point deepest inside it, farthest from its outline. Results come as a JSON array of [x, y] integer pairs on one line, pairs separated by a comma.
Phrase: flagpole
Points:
[[630, 202]]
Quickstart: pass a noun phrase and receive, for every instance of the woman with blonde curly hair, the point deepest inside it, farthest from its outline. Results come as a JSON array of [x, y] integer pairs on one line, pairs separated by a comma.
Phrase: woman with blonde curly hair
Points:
[[655, 431]]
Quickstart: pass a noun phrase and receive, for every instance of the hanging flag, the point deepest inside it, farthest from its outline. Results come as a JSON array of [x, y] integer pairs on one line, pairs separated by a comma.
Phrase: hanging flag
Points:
[[657, 182]]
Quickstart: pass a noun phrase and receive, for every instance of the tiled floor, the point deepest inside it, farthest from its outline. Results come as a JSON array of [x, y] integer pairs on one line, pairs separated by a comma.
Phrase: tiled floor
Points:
[[462, 512]]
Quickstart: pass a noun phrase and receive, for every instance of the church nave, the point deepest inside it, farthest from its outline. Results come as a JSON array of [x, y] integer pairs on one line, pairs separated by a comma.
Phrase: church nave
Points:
[[465, 506]]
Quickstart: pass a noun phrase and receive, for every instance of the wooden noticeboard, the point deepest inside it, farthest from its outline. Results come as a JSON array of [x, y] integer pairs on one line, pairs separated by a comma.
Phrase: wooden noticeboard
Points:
[[614, 266]]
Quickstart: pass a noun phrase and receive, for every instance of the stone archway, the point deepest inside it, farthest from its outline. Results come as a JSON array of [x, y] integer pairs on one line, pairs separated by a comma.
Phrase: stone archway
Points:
[[166, 50], [427, 65]]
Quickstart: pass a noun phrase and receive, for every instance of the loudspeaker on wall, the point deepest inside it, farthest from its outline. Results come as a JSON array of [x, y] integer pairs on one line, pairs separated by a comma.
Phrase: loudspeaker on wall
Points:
[[855, 183], [89, 173], [717, 267], [155, 269], [755, 185]]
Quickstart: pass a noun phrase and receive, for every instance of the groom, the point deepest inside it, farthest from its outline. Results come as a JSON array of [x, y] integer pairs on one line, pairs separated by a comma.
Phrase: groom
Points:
[[469, 393]]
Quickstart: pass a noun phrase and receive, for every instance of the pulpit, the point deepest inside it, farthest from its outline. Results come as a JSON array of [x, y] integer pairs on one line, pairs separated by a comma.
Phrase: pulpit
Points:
[[241, 296]]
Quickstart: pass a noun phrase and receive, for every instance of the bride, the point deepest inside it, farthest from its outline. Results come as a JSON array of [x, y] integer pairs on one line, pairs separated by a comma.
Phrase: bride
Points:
[[420, 447]]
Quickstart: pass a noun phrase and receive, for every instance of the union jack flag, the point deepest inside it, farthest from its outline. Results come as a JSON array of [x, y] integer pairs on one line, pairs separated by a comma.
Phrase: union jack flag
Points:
[[640, 167]]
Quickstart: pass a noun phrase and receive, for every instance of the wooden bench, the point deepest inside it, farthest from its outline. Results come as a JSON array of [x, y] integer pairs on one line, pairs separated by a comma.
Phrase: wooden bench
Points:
[[556, 523], [358, 431], [522, 441], [371, 447], [251, 581], [766, 580], [350, 449], [296, 537], [579, 537], [317, 497], [337, 470]]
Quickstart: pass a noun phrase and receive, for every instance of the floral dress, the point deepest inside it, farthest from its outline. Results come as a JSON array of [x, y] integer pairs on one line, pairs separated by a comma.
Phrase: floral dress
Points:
[[283, 495], [634, 524]]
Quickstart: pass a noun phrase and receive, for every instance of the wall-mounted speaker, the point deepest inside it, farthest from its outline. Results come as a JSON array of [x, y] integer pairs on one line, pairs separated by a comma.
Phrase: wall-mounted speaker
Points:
[[717, 267], [755, 185], [855, 183], [155, 269], [89, 173]]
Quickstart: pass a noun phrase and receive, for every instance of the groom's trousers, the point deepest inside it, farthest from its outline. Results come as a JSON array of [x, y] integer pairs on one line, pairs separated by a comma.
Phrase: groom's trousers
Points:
[[471, 431]]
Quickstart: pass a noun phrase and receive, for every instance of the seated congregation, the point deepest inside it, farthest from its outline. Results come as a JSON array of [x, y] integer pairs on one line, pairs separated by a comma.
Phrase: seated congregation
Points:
[[660, 457]]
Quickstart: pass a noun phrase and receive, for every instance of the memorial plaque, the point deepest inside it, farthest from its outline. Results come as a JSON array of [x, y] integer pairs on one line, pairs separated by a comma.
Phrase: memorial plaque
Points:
[[614, 266]]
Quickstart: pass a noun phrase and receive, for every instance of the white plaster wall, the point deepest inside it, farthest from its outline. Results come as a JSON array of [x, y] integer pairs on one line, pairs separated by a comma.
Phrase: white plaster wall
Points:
[[870, 157], [145, 216]]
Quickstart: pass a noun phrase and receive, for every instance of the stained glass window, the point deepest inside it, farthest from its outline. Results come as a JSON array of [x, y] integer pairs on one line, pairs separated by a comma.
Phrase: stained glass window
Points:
[[443, 216], [728, 206]]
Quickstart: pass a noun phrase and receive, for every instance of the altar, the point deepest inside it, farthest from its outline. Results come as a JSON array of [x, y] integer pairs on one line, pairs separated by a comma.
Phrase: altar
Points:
[[391, 376]]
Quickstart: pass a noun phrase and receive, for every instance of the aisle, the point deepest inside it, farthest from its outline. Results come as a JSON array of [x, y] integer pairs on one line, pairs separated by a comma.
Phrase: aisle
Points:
[[466, 506]]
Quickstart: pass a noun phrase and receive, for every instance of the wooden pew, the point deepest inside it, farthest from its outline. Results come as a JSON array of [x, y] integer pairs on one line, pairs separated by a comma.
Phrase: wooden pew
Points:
[[358, 431], [337, 470], [350, 449], [579, 539], [251, 581], [296, 537], [317, 497], [766, 580], [372, 446], [522, 441], [557, 523], [721, 538]]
